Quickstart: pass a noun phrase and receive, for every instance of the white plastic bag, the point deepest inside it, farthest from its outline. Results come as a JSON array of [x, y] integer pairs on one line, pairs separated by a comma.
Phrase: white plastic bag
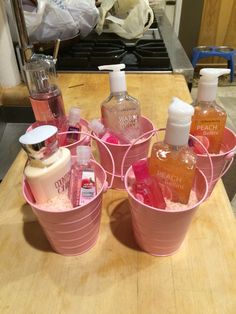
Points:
[[59, 19], [128, 19]]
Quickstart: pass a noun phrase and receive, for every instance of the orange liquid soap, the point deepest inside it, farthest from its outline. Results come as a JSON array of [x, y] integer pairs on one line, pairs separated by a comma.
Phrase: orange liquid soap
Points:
[[172, 161], [209, 118]]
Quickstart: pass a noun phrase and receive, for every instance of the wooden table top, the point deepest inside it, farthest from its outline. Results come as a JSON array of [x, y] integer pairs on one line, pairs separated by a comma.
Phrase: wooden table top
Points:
[[115, 276]]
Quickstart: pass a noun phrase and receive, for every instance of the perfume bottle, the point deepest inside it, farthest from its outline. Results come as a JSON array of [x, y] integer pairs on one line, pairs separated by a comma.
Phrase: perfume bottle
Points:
[[209, 118], [48, 168], [172, 161], [83, 181], [45, 96], [146, 188], [104, 134], [73, 125], [120, 112]]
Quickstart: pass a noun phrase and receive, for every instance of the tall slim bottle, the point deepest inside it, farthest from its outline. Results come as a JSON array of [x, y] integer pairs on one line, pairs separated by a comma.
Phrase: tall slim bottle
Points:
[[172, 161], [45, 96], [209, 118], [120, 112], [48, 168]]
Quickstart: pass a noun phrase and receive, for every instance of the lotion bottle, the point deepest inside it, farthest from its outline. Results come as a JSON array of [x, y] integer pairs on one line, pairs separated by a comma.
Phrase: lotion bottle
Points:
[[209, 118], [171, 160], [120, 112], [48, 168]]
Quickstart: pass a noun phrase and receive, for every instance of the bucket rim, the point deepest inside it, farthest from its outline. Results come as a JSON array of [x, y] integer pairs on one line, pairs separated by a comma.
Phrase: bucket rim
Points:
[[166, 210], [61, 212], [128, 144]]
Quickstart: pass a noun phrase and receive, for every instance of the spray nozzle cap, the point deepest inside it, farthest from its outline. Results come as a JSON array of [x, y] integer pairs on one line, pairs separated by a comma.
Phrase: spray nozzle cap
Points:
[[83, 154], [117, 77]]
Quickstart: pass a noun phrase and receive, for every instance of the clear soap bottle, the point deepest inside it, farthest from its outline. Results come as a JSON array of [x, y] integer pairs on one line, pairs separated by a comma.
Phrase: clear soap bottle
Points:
[[82, 186], [48, 168], [45, 96], [209, 118], [171, 160], [120, 112]]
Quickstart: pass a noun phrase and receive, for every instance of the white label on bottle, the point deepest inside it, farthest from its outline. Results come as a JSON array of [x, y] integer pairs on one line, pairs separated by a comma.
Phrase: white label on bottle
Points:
[[88, 186]]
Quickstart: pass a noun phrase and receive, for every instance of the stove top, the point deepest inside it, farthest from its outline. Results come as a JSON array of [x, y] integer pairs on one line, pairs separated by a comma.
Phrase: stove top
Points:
[[145, 54]]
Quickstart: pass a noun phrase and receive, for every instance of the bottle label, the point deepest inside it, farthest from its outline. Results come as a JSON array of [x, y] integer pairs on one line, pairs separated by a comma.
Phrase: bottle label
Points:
[[208, 128], [73, 137], [62, 184], [88, 186]]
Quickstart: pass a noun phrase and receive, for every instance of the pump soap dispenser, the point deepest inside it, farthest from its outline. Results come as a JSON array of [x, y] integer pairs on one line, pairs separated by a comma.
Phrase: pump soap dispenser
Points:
[[209, 118], [172, 161], [120, 112]]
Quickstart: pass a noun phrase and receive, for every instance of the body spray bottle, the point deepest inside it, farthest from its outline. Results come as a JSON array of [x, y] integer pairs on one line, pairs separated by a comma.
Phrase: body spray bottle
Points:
[[45, 96]]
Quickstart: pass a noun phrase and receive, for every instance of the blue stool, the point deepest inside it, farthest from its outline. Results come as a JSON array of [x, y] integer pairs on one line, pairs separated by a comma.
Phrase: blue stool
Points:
[[218, 51]]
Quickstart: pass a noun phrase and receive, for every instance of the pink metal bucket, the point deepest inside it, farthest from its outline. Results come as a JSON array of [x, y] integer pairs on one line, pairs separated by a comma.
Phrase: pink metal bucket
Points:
[[75, 231], [221, 162], [138, 151], [161, 232]]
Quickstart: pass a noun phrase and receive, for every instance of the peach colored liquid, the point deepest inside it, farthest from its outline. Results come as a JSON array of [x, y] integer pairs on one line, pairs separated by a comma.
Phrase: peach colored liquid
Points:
[[174, 169], [209, 121]]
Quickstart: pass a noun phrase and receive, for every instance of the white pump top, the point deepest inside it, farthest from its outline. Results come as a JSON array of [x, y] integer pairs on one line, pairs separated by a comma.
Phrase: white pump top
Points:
[[117, 77], [208, 83], [178, 123]]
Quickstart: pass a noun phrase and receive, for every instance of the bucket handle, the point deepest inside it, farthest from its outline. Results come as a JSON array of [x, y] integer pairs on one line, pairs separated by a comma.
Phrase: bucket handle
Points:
[[101, 142], [152, 132], [230, 159]]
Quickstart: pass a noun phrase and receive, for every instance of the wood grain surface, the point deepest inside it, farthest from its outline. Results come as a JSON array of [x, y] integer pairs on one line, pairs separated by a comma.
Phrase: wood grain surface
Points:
[[115, 276]]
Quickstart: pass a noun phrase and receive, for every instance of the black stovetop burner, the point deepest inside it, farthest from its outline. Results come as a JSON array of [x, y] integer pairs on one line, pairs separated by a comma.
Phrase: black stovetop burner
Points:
[[141, 55]]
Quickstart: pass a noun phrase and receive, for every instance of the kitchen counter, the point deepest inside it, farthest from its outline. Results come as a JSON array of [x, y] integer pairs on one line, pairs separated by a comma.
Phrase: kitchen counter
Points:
[[115, 276]]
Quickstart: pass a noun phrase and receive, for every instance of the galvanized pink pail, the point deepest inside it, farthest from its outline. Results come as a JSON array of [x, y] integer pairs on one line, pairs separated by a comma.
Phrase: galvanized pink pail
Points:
[[221, 162], [161, 232], [138, 151], [75, 231]]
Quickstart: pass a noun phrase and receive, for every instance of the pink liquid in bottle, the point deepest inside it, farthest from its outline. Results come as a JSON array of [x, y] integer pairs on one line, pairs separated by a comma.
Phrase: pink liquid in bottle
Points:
[[146, 188], [48, 108]]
